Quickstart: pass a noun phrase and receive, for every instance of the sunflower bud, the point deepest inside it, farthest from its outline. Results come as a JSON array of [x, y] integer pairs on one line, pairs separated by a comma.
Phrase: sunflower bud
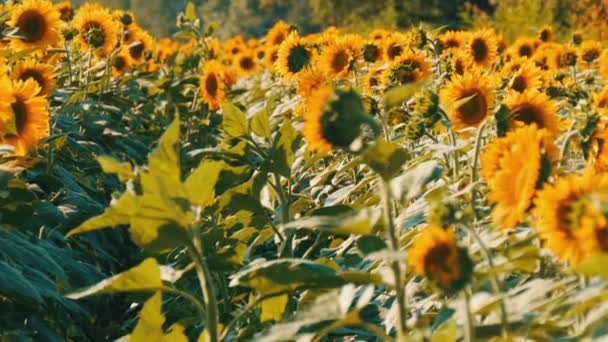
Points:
[[126, 19], [577, 38], [69, 33], [414, 128], [371, 53], [421, 38], [568, 58], [426, 104]]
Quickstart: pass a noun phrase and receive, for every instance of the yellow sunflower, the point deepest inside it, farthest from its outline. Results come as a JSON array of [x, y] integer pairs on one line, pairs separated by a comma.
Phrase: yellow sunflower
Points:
[[212, 86], [546, 34], [140, 44], [569, 216], [524, 47], [514, 166], [271, 54], [234, 46], [245, 63], [379, 34], [482, 48], [597, 152], [532, 107], [395, 45], [451, 40], [527, 77], [408, 68], [313, 121], [166, 48], [121, 62], [42, 73], [97, 29], [372, 51], [603, 64], [374, 79], [38, 23], [434, 253], [213, 47], [293, 57], [590, 51], [66, 11], [30, 120], [460, 62], [478, 89], [278, 33], [6, 99], [309, 81], [338, 58]]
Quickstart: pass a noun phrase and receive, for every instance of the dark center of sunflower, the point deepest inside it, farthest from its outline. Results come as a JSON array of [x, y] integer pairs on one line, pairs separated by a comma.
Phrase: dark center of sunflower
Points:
[[529, 114], [590, 55], [340, 61], [459, 67], [136, 51], [451, 43], [437, 259], [66, 13], [298, 58], [32, 26], [394, 51], [519, 84], [475, 109], [246, 63], [371, 53], [405, 74], [274, 56], [33, 74], [260, 54], [480, 50], [601, 236], [545, 35], [94, 34], [373, 81], [525, 50], [568, 213], [278, 39], [120, 63], [211, 84], [603, 103], [235, 50], [20, 114]]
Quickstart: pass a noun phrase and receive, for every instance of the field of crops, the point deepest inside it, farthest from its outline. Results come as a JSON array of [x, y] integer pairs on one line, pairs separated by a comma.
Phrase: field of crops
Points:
[[409, 185]]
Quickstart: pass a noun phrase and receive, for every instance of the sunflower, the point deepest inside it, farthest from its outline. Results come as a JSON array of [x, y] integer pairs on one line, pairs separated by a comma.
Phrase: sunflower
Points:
[[140, 44], [293, 56], [338, 58], [372, 52], [374, 80], [278, 33], [212, 86], [546, 34], [42, 73], [121, 62], [452, 40], [253, 43], [313, 132], [379, 34], [245, 63], [38, 23], [514, 167], [97, 29], [234, 46], [569, 216], [166, 48], [460, 62], [309, 81], [532, 107], [271, 54], [30, 119], [590, 51], [213, 47], [477, 89], [600, 101], [527, 77], [603, 64], [66, 11], [482, 48], [434, 253], [395, 45], [408, 68], [597, 148], [6, 99], [524, 47]]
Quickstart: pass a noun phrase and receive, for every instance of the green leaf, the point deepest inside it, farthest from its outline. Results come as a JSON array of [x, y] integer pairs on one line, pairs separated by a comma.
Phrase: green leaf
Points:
[[164, 161], [190, 12], [14, 285], [369, 244], [413, 181], [234, 121], [594, 266], [461, 102], [385, 158], [286, 143], [118, 214], [273, 308], [109, 165], [447, 332], [260, 123], [143, 277], [359, 222], [398, 95], [201, 182], [149, 327]]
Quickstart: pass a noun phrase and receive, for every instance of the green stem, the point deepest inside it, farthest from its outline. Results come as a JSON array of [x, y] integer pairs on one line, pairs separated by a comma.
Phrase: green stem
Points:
[[318, 241], [454, 142], [204, 278], [469, 332], [475, 167], [394, 245], [200, 307]]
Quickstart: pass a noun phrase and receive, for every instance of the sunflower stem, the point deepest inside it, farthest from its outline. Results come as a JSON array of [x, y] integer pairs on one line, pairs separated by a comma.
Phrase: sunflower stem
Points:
[[469, 331], [68, 60], [475, 166], [395, 267]]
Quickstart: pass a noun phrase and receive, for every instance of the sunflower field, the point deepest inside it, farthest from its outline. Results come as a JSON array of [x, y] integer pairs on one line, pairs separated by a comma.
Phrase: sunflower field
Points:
[[427, 184]]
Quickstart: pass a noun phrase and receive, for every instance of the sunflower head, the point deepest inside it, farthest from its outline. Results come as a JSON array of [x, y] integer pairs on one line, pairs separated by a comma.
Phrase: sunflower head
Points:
[[482, 47], [212, 85], [334, 118], [374, 79], [293, 57], [452, 40], [141, 44], [532, 107], [524, 47], [278, 33], [590, 51], [395, 45], [460, 62], [245, 63], [372, 52], [121, 62], [38, 24], [97, 29], [434, 253], [271, 55], [577, 38], [309, 81], [40, 72], [408, 68], [66, 11], [527, 77], [546, 34], [339, 57], [468, 99]]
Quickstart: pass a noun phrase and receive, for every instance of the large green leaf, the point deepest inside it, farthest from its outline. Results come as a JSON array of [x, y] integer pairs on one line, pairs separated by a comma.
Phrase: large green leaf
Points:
[[109, 165], [234, 121], [14, 285], [164, 161], [283, 155], [361, 222], [201, 182], [118, 214], [143, 277], [385, 158], [149, 327], [594, 266]]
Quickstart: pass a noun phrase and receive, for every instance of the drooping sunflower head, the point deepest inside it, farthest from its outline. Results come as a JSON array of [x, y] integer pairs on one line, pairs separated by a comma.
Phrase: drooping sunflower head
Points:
[[40, 72], [452, 40], [468, 99], [546, 34], [434, 253], [245, 63], [334, 119], [482, 47], [590, 51], [408, 68], [66, 11], [97, 29], [278, 33], [339, 57], [122, 62], [569, 216], [514, 167], [309, 81], [30, 117], [293, 57], [38, 24], [532, 107], [527, 77], [212, 86]]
